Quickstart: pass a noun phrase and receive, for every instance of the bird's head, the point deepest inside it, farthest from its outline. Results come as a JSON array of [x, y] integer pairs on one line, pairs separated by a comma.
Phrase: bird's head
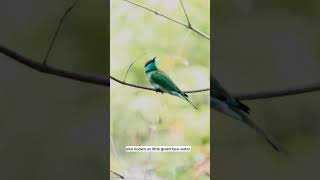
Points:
[[150, 65], [150, 62]]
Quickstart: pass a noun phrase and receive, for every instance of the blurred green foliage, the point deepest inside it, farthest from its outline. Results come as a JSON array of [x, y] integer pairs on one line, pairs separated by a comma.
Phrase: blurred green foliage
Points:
[[140, 117]]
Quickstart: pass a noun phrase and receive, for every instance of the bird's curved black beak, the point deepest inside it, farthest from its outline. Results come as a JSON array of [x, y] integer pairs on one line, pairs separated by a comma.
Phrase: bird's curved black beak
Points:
[[152, 60]]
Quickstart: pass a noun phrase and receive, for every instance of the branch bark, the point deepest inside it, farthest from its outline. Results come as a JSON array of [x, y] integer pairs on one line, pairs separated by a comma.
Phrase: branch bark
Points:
[[188, 26], [279, 92], [103, 81], [43, 68], [117, 174], [152, 89]]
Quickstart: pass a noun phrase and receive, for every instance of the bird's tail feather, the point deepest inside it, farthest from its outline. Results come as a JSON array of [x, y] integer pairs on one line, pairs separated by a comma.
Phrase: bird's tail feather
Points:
[[270, 139], [191, 103], [185, 97]]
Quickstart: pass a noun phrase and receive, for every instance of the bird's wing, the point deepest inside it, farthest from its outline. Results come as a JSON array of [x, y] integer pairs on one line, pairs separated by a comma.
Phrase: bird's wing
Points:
[[231, 106], [235, 113], [164, 81], [220, 93]]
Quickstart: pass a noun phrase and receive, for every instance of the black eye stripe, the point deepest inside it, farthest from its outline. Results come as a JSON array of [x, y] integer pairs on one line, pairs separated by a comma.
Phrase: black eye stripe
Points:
[[147, 63]]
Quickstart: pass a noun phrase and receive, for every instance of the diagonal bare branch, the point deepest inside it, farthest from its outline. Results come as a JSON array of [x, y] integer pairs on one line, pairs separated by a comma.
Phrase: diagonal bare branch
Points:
[[185, 13], [120, 176], [171, 19], [40, 67], [117, 174]]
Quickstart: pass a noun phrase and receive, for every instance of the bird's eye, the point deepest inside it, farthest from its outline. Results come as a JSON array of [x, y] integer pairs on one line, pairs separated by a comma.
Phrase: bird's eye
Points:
[[145, 65]]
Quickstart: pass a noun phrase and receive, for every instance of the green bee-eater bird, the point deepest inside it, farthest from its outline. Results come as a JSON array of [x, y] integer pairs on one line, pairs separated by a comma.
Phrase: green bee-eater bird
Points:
[[222, 101], [161, 82]]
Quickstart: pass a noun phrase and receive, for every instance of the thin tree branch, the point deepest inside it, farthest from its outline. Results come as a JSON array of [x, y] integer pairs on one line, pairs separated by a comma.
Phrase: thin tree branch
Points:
[[103, 81], [152, 89], [124, 79], [185, 13], [116, 155], [43, 68], [98, 80], [279, 92], [40, 67], [117, 174], [58, 30], [171, 19]]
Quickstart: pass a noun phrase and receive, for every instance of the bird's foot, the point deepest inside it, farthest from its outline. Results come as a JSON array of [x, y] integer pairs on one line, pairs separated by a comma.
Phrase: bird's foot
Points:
[[159, 91]]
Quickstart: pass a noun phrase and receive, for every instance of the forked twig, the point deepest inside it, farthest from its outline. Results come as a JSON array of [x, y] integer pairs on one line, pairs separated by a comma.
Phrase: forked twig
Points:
[[185, 13], [171, 19]]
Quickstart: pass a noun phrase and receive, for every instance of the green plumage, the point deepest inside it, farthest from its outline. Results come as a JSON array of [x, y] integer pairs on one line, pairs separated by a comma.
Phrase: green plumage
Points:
[[162, 82]]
